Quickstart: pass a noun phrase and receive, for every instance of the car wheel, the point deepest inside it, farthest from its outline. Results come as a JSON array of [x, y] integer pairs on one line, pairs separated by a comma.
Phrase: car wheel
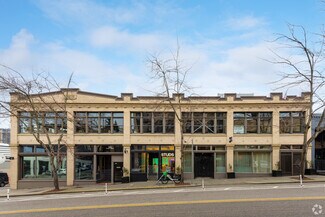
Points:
[[2, 184]]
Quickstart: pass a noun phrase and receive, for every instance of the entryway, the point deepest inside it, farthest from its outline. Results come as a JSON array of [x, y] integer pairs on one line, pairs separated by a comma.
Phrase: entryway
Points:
[[153, 165], [203, 165], [290, 163]]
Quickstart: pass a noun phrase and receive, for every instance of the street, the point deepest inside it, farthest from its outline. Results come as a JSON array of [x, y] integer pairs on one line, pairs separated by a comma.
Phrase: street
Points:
[[245, 200]]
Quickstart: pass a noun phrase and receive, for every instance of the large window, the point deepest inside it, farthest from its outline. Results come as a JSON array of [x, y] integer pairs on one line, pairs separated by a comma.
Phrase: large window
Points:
[[43, 122], [253, 159], [87, 155], [35, 163], [204, 122], [292, 122], [152, 122], [99, 122], [252, 122]]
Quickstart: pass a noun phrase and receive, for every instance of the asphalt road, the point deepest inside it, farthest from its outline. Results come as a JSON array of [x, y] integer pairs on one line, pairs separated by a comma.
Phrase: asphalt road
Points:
[[252, 200]]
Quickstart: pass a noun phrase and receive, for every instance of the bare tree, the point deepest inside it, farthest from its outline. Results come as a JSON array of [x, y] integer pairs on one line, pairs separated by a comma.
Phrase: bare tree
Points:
[[304, 68], [172, 76], [34, 101]]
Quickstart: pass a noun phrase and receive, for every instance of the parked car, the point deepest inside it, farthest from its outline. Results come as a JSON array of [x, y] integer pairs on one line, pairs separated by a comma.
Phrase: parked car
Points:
[[4, 180]]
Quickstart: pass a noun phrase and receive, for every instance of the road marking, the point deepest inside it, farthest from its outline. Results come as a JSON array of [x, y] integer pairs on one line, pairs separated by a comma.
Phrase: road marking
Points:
[[226, 189], [275, 186], [160, 204]]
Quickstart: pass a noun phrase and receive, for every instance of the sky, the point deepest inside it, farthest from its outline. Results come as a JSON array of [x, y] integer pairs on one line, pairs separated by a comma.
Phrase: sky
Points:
[[106, 43]]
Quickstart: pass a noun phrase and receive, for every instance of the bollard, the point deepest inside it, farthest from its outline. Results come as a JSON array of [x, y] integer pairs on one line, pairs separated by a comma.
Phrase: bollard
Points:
[[300, 181], [105, 188], [203, 187], [8, 194]]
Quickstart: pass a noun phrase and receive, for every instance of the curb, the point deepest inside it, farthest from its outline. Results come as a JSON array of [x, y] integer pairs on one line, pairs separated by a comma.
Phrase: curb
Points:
[[80, 190], [84, 190]]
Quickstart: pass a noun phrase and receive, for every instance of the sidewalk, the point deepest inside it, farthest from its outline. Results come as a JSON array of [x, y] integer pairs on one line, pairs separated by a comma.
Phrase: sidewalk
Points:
[[152, 185]]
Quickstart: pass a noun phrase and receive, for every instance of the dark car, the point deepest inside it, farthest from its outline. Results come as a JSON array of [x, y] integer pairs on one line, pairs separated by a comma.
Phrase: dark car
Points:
[[4, 180]]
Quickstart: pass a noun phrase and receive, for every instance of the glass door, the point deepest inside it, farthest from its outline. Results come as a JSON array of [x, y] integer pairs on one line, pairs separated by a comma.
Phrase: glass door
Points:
[[152, 166]]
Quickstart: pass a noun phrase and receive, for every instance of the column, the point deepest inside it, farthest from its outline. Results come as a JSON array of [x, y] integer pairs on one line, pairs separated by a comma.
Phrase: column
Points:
[[230, 158], [14, 171], [276, 157], [127, 159], [70, 165]]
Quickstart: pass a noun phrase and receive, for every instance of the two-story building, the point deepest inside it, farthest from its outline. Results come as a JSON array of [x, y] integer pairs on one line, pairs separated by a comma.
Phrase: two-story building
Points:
[[247, 135]]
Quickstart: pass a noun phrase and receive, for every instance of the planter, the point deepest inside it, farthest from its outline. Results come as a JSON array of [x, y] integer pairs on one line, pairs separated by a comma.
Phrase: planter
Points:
[[310, 171], [125, 179], [276, 173], [231, 175]]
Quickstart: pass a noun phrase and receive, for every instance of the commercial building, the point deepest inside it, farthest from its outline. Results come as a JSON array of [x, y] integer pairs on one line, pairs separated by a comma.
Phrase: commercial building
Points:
[[247, 135]]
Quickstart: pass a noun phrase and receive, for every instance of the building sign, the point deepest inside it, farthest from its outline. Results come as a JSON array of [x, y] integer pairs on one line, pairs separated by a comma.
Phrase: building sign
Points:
[[167, 154]]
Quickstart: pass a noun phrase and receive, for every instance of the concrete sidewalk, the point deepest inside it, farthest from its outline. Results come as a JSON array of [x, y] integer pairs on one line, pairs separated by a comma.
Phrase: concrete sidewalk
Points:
[[152, 185]]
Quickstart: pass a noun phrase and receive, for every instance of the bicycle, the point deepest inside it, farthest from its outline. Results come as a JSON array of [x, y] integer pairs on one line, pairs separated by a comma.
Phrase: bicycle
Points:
[[165, 178]]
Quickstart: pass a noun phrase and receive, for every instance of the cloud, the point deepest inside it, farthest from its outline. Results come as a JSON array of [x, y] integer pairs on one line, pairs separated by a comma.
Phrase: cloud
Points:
[[108, 36], [245, 23], [90, 13]]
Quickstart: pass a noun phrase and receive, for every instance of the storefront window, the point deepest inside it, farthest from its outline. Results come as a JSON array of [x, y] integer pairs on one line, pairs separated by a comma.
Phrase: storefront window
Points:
[[253, 162], [84, 148], [188, 162], [261, 162], [39, 167], [243, 162], [168, 162], [138, 162], [220, 162], [110, 148], [84, 167]]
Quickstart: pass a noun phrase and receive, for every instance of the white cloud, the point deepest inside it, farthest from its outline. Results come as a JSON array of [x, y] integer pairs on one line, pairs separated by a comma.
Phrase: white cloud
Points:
[[90, 13], [107, 36], [244, 23]]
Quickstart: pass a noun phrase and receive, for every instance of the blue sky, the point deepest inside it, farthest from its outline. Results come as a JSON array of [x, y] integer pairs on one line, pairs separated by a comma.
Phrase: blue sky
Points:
[[106, 43]]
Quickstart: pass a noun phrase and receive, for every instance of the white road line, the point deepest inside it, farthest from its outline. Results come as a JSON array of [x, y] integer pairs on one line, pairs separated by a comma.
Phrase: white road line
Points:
[[226, 189], [275, 186]]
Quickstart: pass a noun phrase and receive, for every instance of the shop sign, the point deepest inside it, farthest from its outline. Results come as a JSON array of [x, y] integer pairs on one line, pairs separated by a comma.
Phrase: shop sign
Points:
[[167, 154]]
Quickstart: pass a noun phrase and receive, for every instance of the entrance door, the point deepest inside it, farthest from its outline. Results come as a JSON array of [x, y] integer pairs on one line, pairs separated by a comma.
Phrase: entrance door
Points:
[[296, 160], [104, 168], [203, 165], [290, 163], [286, 163], [153, 166], [118, 171]]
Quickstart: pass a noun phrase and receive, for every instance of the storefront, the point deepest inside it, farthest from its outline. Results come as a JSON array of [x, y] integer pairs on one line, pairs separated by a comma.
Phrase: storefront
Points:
[[205, 161], [290, 159], [149, 161], [100, 163], [252, 160]]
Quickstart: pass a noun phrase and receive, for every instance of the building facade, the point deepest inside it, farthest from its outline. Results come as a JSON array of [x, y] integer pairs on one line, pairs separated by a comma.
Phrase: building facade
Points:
[[141, 136]]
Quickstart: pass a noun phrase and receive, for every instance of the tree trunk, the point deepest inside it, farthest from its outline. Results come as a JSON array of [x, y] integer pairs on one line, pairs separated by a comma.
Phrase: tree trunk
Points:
[[54, 174]]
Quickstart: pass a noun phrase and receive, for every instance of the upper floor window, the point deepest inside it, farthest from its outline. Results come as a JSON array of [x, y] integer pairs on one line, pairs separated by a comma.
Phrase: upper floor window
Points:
[[152, 122], [252, 122], [292, 122], [204, 122], [99, 122], [43, 122]]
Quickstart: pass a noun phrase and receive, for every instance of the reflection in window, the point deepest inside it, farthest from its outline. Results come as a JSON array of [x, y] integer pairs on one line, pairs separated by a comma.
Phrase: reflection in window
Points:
[[204, 122], [43, 122], [188, 162], [292, 122], [99, 122], [221, 163], [138, 162], [252, 122], [84, 167], [39, 167], [152, 122]]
